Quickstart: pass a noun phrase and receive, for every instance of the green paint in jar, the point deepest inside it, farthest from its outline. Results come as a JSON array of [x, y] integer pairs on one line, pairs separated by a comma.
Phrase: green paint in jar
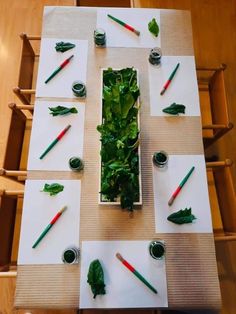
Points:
[[160, 159], [79, 89], [76, 164], [71, 255], [157, 249]]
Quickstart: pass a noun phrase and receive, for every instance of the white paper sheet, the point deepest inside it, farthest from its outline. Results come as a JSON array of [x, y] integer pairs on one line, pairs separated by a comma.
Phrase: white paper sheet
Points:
[[194, 194], [119, 36], [39, 209], [123, 289], [182, 90], [46, 128], [50, 59]]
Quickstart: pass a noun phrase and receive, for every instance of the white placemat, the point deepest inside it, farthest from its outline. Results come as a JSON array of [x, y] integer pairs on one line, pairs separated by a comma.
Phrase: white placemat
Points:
[[46, 128], [182, 90], [123, 289], [50, 59], [119, 36], [194, 194], [39, 209]]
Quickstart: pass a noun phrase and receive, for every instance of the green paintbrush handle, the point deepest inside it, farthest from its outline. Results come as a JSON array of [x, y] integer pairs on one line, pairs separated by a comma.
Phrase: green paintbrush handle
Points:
[[185, 179], [42, 235], [137, 274], [49, 148]]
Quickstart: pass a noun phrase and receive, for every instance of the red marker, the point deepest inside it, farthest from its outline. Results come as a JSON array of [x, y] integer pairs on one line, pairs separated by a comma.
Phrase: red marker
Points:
[[169, 80]]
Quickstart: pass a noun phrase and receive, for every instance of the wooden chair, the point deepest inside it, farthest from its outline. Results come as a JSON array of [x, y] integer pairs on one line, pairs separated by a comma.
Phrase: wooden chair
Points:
[[16, 153], [213, 101], [222, 199], [28, 65], [10, 201], [103, 3]]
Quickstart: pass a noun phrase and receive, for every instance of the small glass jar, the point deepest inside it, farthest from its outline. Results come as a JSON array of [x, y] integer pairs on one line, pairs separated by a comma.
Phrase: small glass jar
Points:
[[76, 164], [79, 89], [160, 159], [99, 36], [71, 255], [157, 249], [155, 56]]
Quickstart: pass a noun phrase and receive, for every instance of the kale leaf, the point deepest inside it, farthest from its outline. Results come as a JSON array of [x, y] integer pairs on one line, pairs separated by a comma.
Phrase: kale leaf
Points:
[[53, 188], [60, 110], [174, 109], [183, 216], [153, 27], [96, 278], [62, 46]]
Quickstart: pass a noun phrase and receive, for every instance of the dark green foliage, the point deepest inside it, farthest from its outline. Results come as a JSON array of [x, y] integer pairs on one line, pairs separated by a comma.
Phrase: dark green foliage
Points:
[[96, 278], [153, 27], [183, 216], [119, 137], [62, 46], [60, 110], [53, 188], [175, 109]]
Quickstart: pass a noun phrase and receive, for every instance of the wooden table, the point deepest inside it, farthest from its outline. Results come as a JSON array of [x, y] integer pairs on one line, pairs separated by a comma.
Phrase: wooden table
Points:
[[190, 259]]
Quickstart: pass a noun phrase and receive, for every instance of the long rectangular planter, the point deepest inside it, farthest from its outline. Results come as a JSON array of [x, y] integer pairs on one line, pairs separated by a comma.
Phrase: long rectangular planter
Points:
[[103, 201]]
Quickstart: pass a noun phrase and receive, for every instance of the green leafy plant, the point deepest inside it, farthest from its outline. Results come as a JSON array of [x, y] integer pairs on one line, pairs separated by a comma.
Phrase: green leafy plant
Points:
[[183, 216], [119, 137], [62, 46], [53, 188], [96, 278], [60, 110], [175, 109], [153, 27]]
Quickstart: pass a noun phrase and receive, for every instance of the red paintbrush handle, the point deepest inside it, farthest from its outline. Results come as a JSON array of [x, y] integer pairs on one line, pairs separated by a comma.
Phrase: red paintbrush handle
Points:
[[129, 27], [166, 84], [63, 132], [130, 267], [176, 192], [52, 222], [64, 63]]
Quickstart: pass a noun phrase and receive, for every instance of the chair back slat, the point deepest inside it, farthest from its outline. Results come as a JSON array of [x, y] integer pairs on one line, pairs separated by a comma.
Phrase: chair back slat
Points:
[[218, 98], [226, 197], [7, 223], [15, 141]]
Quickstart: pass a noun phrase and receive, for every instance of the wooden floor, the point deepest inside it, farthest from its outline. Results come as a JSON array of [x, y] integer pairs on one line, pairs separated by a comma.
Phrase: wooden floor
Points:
[[214, 43]]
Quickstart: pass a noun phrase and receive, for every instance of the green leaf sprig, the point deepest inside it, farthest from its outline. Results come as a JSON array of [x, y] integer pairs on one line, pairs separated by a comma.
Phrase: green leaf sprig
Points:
[[183, 216], [175, 109], [119, 137], [96, 278], [53, 188], [60, 110], [153, 27], [62, 46]]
